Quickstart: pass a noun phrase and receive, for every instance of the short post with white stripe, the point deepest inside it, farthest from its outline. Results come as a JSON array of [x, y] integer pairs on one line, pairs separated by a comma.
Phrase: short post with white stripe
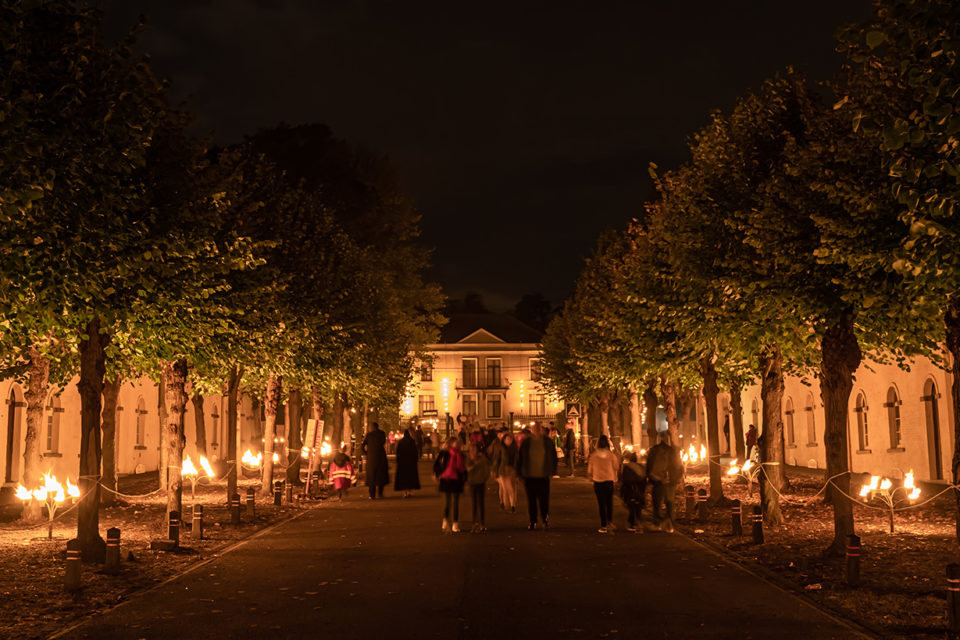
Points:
[[853, 560], [71, 581], [757, 525], [953, 601], [112, 564]]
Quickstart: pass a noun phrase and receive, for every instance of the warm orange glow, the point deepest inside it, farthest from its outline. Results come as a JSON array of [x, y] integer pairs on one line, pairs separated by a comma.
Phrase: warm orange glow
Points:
[[207, 468], [188, 469]]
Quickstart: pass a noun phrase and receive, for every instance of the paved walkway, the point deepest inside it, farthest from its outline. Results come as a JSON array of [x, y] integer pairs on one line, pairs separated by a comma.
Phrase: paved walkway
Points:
[[383, 569]]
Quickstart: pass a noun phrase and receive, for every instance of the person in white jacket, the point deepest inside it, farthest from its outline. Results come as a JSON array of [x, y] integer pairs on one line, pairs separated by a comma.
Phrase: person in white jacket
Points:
[[604, 469]]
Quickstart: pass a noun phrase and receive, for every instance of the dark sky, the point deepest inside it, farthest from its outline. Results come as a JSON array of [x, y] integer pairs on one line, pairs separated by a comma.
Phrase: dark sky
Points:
[[521, 129]]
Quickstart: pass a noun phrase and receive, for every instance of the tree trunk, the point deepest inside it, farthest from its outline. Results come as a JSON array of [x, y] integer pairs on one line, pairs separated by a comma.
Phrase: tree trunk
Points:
[[584, 429], [271, 404], [952, 320], [771, 433], [736, 408], [174, 375], [363, 424], [319, 410], [604, 406], [108, 420], [841, 356], [336, 432], [164, 445], [231, 457], [36, 395], [200, 424], [92, 370], [636, 429], [650, 402], [710, 390], [294, 437], [669, 391], [347, 425]]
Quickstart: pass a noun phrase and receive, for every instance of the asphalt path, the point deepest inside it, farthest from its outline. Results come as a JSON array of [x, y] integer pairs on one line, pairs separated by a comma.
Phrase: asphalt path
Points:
[[384, 569]]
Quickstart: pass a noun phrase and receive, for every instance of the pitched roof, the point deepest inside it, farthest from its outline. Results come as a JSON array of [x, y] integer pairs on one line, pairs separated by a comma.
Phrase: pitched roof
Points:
[[503, 326]]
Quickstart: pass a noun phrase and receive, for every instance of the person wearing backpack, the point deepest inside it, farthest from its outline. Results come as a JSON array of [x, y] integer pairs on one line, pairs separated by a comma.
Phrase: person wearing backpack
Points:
[[633, 485], [664, 473]]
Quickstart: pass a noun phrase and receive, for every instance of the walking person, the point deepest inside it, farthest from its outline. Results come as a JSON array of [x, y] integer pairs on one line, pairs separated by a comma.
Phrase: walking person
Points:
[[407, 476], [536, 464], [726, 431], [633, 486], [340, 473], [505, 468], [604, 469], [570, 448], [374, 449], [450, 471], [478, 471], [664, 473], [418, 438]]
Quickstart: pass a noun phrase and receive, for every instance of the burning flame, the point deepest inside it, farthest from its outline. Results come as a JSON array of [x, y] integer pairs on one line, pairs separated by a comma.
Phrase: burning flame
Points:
[[908, 482], [276, 458], [188, 469], [207, 468], [305, 453], [885, 484], [326, 449], [734, 469], [50, 490], [251, 460]]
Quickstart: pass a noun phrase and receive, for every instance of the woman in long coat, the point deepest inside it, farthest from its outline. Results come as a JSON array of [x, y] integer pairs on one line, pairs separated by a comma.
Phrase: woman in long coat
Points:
[[376, 454], [407, 478]]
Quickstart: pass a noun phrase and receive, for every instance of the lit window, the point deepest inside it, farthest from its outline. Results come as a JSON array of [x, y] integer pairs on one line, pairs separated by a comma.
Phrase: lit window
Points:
[[427, 403], [493, 406], [791, 429], [893, 417], [537, 404]]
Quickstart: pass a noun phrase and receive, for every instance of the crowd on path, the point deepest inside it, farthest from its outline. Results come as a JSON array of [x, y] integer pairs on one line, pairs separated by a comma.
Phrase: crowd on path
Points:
[[466, 463]]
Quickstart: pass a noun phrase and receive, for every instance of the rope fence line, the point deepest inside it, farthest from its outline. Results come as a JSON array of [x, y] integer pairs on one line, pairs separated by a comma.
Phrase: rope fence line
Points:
[[830, 482], [45, 523]]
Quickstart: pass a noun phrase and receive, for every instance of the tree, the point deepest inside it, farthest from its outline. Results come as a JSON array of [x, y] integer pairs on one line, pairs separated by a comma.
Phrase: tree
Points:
[[898, 88]]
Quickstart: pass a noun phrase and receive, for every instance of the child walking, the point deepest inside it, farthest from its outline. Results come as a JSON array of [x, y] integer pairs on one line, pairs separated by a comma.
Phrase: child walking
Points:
[[340, 473], [633, 485], [478, 470], [450, 472]]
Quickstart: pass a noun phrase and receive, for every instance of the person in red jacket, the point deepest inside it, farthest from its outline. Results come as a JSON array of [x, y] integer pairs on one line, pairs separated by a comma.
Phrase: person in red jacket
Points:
[[751, 440], [340, 473]]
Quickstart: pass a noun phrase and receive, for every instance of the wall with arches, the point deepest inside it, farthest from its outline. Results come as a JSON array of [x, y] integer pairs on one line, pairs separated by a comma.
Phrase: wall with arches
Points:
[[898, 420]]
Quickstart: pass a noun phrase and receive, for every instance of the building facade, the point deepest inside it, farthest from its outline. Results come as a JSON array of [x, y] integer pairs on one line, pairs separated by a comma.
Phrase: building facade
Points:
[[483, 370]]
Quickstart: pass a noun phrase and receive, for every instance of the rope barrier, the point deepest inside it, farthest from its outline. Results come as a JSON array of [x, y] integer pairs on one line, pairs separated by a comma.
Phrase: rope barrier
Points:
[[830, 481], [45, 523]]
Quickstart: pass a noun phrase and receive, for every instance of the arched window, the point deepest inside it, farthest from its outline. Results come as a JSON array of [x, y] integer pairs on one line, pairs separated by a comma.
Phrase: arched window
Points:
[[893, 417], [53, 425], [931, 406], [863, 428], [811, 420], [755, 413], [789, 423], [141, 421]]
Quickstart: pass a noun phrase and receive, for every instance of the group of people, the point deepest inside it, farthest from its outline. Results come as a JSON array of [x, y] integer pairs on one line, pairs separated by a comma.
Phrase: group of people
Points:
[[662, 470], [467, 462], [530, 457]]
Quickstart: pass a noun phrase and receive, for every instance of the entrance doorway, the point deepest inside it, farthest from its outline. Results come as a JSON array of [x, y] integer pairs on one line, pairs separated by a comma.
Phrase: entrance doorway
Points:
[[931, 406]]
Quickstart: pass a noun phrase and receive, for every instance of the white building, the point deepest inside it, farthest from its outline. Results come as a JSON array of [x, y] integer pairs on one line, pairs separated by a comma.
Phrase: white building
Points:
[[485, 367]]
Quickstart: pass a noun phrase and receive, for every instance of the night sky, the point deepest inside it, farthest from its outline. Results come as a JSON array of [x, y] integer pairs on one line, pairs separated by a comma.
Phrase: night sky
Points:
[[521, 129]]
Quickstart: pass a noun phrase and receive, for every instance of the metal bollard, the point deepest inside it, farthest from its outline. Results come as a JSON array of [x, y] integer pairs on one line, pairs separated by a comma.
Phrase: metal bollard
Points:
[[71, 580], [736, 518], [691, 501], [277, 493], [196, 530], [853, 560], [235, 508], [953, 601], [173, 527], [112, 564], [702, 508], [251, 502], [758, 525], [289, 493]]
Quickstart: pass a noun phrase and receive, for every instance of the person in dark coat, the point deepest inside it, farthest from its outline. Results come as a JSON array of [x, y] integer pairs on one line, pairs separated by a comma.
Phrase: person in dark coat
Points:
[[374, 449], [407, 477]]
